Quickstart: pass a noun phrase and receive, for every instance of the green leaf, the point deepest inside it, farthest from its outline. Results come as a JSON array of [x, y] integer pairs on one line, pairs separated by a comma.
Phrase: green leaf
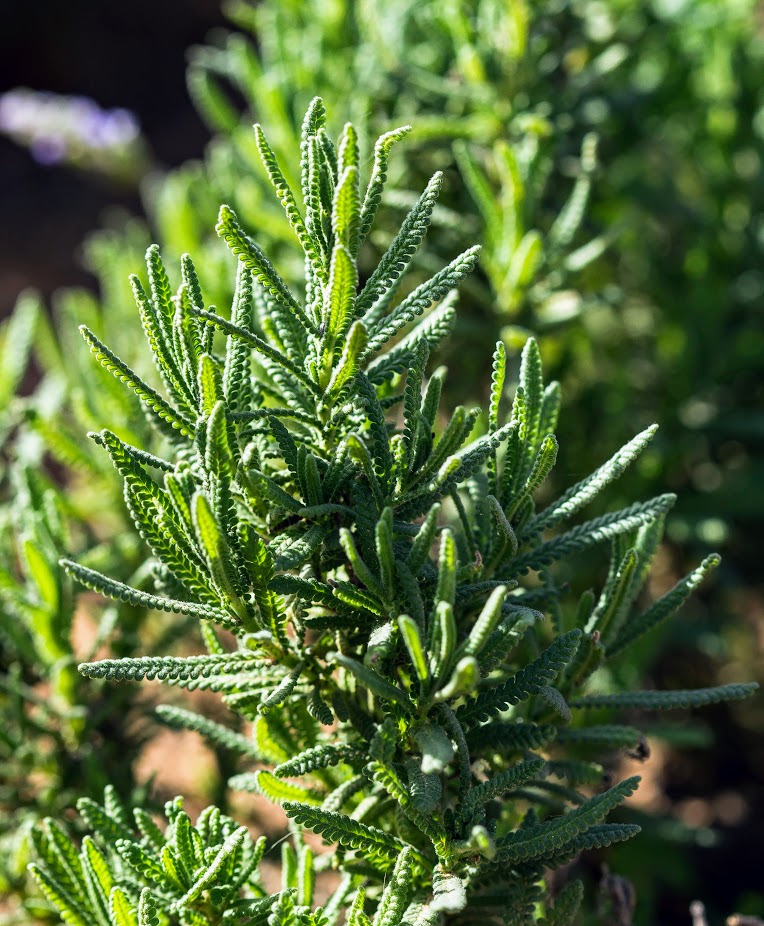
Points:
[[159, 285], [592, 532], [498, 377], [397, 893], [486, 623], [385, 774], [218, 556], [372, 680], [181, 719], [157, 328], [281, 693], [571, 215], [385, 554], [209, 876], [447, 568], [434, 328], [98, 880], [608, 616], [360, 453], [147, 911], [237, 385], [502, 781], [72, 913], [601, 737], [542, 466], [463, 681], [442, 641], [253, 259], [256, 342], [422, 297], [566, 905], [41, 573], [449, 894], [525, 260], [121, 910], [167, 418], [178, 670], [348, 154], [413, 640], [287, 200], [346, 210], [350, 361], [436, 748], [349, 594], [318, 757], [543, 838], [420, 549], [120, 592], [664, 607], [358, 565], [507, 636], [667, 700], [597, 837], [260, 568], [468, 461], [295, 549], [526, 682], [579, 495], [425, 790], [378, 177], [398, 256], [103, 824], [479, 188], [339, 302], [18, 338], [209, 384], [273, 788], [336, 827], [511, 737], [144, 865], [137, 456]]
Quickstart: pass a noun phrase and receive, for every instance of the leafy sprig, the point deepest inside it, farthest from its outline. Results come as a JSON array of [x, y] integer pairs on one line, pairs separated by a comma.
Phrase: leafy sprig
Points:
[[375, 568]]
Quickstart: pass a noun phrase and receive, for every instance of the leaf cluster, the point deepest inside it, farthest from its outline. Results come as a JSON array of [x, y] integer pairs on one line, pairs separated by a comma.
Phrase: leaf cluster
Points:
[[129, 871], [380, 562]]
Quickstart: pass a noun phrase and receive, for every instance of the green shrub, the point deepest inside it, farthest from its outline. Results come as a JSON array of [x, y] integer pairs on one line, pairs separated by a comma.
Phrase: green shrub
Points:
[[504, 98], [384, 587]]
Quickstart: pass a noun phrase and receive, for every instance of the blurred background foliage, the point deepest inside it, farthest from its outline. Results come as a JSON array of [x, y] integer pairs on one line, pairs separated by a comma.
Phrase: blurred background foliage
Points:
[[608, 157]]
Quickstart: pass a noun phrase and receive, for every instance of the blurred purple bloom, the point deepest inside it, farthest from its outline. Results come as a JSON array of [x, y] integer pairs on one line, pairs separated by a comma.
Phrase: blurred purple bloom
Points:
[[58, 128], [48, 151]]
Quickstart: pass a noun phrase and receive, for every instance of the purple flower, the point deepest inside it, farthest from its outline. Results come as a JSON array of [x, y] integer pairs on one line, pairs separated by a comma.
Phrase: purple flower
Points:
[[59, 128]]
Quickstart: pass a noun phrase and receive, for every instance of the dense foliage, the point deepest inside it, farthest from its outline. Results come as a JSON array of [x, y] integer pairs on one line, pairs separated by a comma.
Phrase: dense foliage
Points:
[[382, 584], [638, 275]]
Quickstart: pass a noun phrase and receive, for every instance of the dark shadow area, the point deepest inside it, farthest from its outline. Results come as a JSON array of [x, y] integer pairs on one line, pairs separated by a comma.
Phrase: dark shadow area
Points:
[[121, 55]]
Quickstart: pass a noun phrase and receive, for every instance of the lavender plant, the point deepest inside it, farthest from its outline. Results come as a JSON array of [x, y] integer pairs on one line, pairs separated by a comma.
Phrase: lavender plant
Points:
[[421, 693], [47, 426], [59, 737]]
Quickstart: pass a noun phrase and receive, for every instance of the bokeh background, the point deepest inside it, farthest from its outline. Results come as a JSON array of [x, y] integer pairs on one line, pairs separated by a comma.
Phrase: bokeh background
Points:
[[130, 57], [663, 324]]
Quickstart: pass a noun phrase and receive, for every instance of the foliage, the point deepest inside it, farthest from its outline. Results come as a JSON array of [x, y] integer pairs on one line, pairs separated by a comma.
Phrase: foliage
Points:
[[57, 739], [524, 91], [380, 582], [642, 275], [505, 98], [60, 738], [131, 873]]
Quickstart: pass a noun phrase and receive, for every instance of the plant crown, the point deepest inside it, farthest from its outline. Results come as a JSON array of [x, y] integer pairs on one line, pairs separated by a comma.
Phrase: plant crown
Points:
[[385, 575]]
